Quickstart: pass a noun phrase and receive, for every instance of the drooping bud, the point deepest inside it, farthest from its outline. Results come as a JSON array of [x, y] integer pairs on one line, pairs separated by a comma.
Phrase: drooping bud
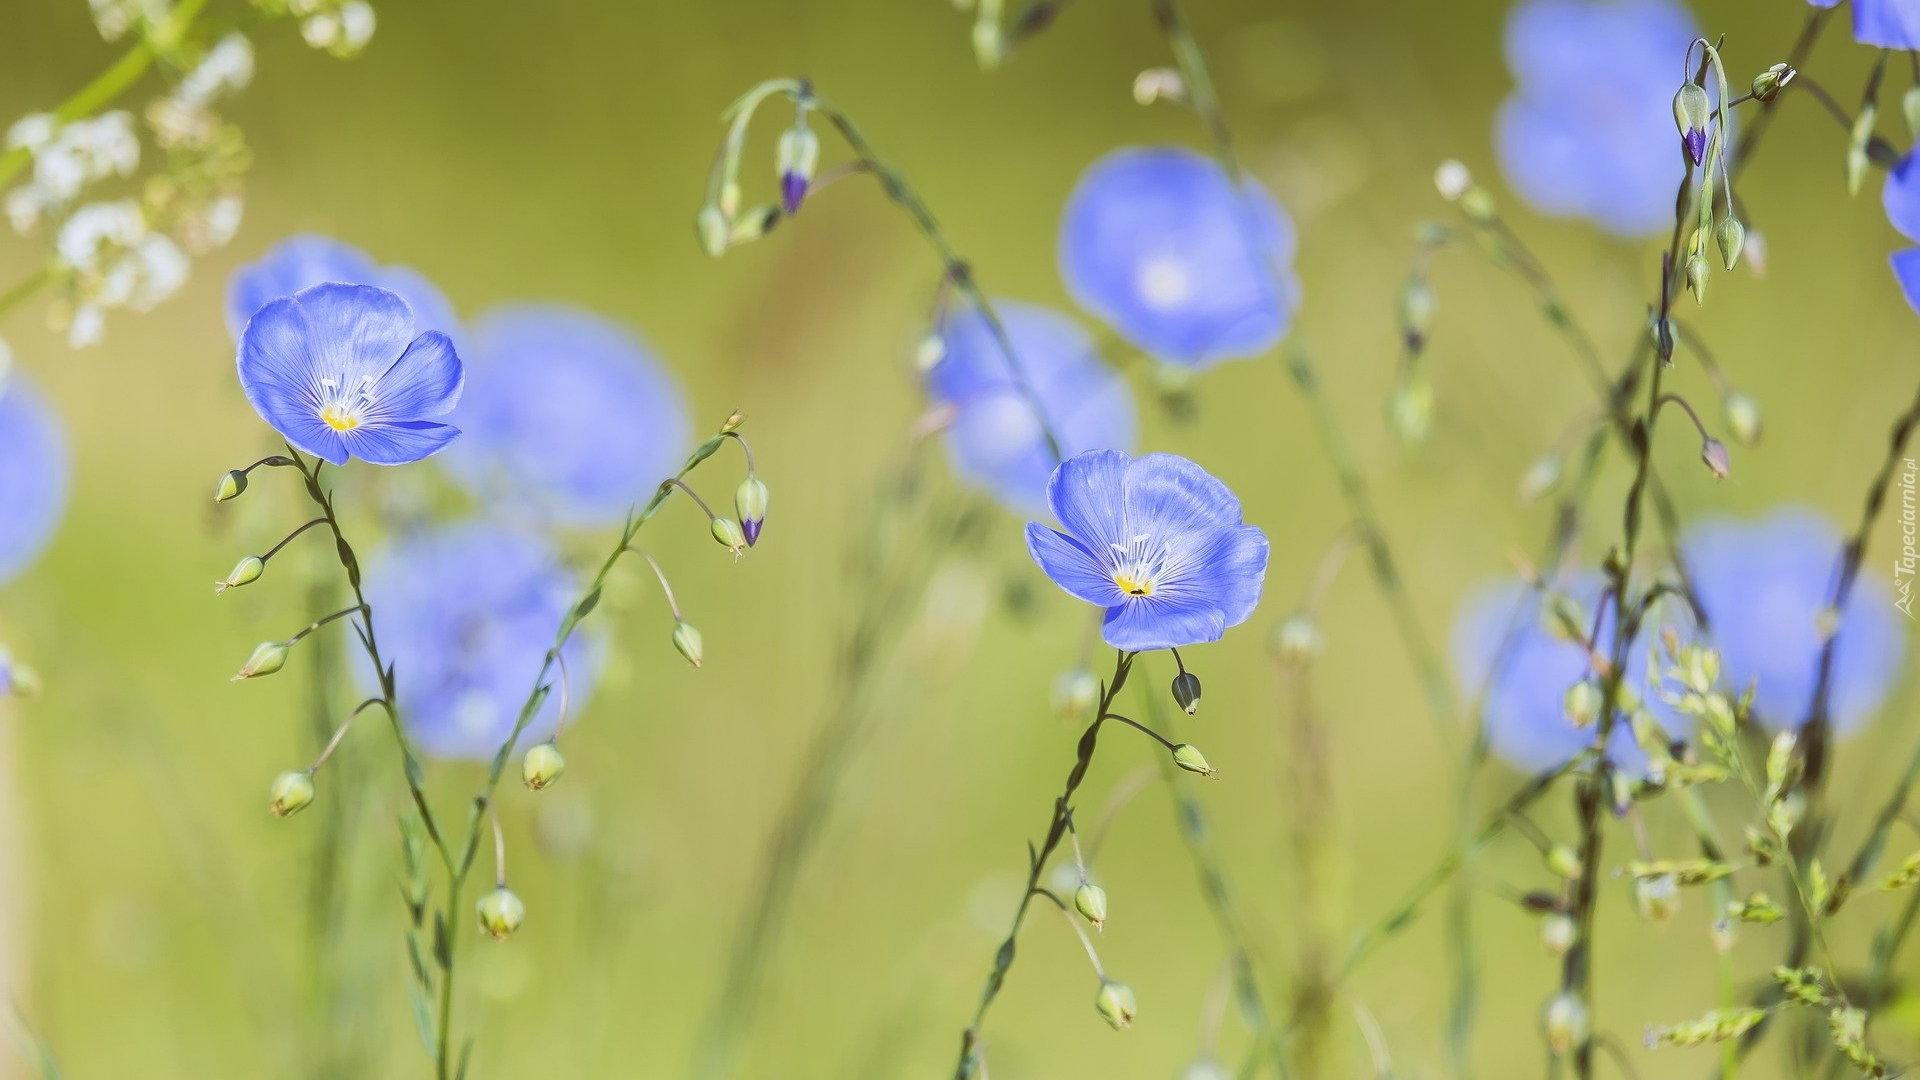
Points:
[[1732, 237], [1564, 1022], [1540, 478], [1582, 703], [1157, 83], [1657, 898], [268, 657], [291, 792], [501, 913], [1090, 901], [1743, 418], [750, 501], [1115, 1003], [541, 766], [1768, 83], [796, 156], [1186, 691], [1296, 640], [1714, 453], [245, 572], [1452, 180], [755, 223], [1557, 932], [686, 638], [711, 226], [1188, 757], [1857, 156], [1565, 862], [727, 532], [230, 486], [1076, 693], [1697, 273], [1690, 112]]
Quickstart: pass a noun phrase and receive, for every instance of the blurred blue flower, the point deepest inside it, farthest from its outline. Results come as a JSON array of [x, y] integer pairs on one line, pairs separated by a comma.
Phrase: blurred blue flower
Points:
[[1523, 689], [1158, 243], [466, 614], [994, 437], [305, 260], [1885, 24], [1589, 131], [1157, 541], [33, 473], [1900, 197], [565, 413], [1763, 586], [338, 371]]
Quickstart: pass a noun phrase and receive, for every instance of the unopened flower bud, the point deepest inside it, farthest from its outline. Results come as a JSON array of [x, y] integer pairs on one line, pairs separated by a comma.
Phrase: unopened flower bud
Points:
[[1186, 691], [1768, 83], [1732, 237], [989, 44], [1857, 156], [1076, 693], [1410, 409], [1743, 418], [1657, 898], [1565, 1022], [541, 766], [268, 657], [711, 225], [1416, 310], [750, 501], [1540, 478], [686, 638], [735, 420], [1565, 862], [1582, 703], [755, 223], [1296, 640], [1714, 453], [1188, 757], [501, 913], [1557, 932], [230, 487], [1157, 83], [1477, 204], [727, 532], [291, 792], [1090, 901], [1698, 271], [1452, 180], [796, 156], [1115, 1003], [1690, 112], [245, 572]]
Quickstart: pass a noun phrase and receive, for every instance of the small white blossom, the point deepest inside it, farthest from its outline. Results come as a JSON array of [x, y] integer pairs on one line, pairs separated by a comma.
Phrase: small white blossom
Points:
[[356, 24], [1452, 179], [98, 226], [25, 206], [88, 324], [227, 66], [321, 31], [31, 132]]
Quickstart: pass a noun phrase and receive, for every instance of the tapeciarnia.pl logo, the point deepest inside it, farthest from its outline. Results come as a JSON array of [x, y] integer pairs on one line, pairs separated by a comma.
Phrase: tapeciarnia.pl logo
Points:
[[1903, 567]]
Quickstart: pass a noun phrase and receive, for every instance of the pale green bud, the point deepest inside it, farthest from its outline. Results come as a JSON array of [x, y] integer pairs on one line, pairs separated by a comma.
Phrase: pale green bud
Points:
[[1565, 862], [1714, 453], [1477, 203], [1698, 271], [711, 225], [727, 532], [755, 223], [1732, 237], [291, 792], [1452, 180], [268, 657], [1910, 105], [1557, 932], [1090, 901], [1416, 309], [686, 638], [1564, 1022], [989, 44], [245, 572], [1768, 83], [1115, 1003], [1188, 757], [541, 766], [1410, 409], [750, 501], [1540, 478], [1743, 418], [1857, 158], [501, 913], [1582, 703], [230, 486]]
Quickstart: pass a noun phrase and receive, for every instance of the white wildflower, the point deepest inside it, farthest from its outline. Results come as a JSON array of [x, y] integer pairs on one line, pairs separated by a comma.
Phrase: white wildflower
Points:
[[321, 31], [98, 226], [32, 131], [227, 66], [356, 25], [87, 326]]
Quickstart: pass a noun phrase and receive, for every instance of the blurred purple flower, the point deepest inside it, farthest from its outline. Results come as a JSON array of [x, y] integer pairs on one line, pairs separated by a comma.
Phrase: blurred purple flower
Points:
[[466, 614], [1157, 541], [994, 438], [565, 413], [1763, 586], [1900, 197], [33, 473], [305, 260], [1885, 24], [339, 372], [1158, 243], [1588, 132], [1523, 689]]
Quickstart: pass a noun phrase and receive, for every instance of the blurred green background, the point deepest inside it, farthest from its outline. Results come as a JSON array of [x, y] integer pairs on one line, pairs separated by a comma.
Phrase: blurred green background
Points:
[[558, 151]]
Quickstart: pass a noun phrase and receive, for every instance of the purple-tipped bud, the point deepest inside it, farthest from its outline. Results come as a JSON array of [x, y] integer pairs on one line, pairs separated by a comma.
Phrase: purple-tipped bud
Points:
[[793, 189], [1690, 114], [750, 500], [1695, 141], [797, 154]]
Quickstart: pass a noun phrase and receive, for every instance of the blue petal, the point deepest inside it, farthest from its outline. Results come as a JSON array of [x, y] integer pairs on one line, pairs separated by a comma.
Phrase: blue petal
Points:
[[33, 473], [1906, 270], [1088, 497], [277, 372], [354, 331], [1901, 197], [1072, 566], [398, 442], [296, 263], [1887, 24], [1234, 568], [1169, 496], [424, 382], [1162, 622]]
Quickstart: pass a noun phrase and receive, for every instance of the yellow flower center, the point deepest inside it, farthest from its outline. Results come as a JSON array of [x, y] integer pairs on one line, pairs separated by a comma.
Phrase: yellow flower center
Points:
[[339, 419], [1134, 581]]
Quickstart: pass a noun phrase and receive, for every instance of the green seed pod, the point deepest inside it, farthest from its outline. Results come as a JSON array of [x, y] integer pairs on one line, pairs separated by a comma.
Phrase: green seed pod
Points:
[[1565, 862], [1115, 1003], [1186, 691], [727, 532], [268, 657], [245, 572], [501, 913], [291, 792], [1188, 757], [1582, 703], [541, 766], [686, 638], [1697, 274], [1732, 237], [1091, 901], [230, 486]]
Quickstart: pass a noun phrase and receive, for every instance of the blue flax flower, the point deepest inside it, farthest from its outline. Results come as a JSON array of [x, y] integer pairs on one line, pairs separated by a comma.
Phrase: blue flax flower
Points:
[[565, 413], [1157, 541], [466, 613], [33, 473], [1901, 200], [1885, 24], [1763, 586], [994, 436], [303, 261], [338, 371], [1509, 654], [1160, 244], [1588, 132]]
